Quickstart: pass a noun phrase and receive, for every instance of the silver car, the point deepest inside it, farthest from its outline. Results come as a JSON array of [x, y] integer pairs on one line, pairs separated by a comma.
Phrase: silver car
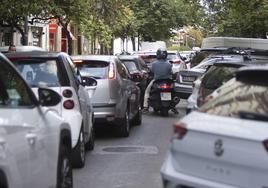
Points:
[[116, 98]]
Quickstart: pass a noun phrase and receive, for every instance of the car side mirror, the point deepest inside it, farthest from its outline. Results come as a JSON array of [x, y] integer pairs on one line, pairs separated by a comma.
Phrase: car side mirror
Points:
[[48, 97], [88, 81]]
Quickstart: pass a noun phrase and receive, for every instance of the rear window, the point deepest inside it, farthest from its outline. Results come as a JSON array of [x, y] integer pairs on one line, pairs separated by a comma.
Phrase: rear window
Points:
[[131, 66], [172, 56], [39, 72], [237, 99], [217, 76], [95, 69]]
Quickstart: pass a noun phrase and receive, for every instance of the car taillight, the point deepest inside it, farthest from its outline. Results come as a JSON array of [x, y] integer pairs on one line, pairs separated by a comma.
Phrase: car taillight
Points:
[[111, 73], [165, 86], [67, 93], [78, 61], [68, 104], [179, 130], [176, 61]]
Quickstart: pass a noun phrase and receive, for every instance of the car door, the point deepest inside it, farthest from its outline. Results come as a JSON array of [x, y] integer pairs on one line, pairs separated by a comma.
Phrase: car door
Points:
[[132, 91], [25, 129], [82, 95]]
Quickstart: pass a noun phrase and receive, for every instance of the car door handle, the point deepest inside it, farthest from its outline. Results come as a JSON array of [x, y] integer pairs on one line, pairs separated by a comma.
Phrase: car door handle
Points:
[[31, 138]]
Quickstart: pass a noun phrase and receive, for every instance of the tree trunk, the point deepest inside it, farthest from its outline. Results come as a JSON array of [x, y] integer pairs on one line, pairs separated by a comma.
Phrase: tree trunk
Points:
[[133, 43]]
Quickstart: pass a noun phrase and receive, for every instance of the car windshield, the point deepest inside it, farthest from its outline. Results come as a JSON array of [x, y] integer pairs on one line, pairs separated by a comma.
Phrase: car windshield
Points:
[[172, 56], [39, 72], [95, 69], [237, 98], [131, 66]]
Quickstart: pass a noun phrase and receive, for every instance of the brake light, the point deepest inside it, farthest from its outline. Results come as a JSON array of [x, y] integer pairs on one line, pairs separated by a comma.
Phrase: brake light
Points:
[[179, 130], [67, 93], [68, 104], [165, 86], [111, 73], [78, 61], [177, 61]]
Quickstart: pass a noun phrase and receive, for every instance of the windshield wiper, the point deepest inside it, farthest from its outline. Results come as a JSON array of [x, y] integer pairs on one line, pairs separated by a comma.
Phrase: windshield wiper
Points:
[[252, 116]]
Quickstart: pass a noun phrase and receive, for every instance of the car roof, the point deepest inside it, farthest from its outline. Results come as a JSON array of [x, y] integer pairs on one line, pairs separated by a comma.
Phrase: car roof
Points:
[[39, 54], [128, 57], [107, 58], [257, 75], [4, 49]]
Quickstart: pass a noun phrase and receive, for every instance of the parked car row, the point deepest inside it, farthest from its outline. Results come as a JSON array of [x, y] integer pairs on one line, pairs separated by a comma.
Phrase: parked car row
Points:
[[51, 104]]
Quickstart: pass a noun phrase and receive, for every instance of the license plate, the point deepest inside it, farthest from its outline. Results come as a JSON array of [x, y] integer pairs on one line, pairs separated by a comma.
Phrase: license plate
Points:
[[165, 96], [188, 78]]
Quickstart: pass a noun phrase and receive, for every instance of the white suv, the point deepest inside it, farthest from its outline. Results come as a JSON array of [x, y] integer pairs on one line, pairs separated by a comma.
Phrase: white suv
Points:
[[56, 71], [35, 143]]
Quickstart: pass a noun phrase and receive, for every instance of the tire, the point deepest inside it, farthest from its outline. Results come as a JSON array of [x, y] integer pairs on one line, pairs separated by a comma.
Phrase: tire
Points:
[[137, 118], [164, 112], [124, 127], [64, 170], [91, 143], [79, 152]]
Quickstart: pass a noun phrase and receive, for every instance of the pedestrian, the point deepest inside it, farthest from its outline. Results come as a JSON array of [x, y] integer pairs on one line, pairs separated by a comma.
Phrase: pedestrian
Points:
[[12, 48]]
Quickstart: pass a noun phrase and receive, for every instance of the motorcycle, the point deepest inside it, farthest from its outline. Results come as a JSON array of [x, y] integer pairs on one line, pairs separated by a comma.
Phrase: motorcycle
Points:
[[163, 97]]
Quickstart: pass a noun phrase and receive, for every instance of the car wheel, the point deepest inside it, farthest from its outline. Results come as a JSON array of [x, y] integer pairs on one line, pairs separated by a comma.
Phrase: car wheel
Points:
[[91, 143], [124, 127], [79, 152], [137, 118], [64, 171]]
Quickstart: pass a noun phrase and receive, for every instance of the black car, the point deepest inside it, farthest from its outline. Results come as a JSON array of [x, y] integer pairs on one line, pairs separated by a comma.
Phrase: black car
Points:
[[138, 71]]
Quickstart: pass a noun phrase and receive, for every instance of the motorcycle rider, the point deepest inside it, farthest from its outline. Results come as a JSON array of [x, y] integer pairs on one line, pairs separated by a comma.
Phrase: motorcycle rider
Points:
[[162, 69]]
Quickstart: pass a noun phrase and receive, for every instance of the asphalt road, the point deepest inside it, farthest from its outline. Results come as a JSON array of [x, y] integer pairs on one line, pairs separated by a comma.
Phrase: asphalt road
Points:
[[132, 162]]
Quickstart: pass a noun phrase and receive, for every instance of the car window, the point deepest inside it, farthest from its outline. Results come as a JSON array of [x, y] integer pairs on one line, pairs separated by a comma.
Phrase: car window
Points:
[[121, 70], [217, 76], [39, 72], [131, 66], [13, 91], [172, 56], [96, 69], [240, 97]]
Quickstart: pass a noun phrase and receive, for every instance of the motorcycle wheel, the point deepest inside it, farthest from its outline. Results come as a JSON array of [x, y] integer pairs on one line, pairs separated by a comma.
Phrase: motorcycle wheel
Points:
[[164, 112]]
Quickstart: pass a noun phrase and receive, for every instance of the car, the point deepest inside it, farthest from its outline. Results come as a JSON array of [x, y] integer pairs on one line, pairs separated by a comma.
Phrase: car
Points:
[[116, 100], [35, 142], [177, 62], [138, 71], [185, 78], [224, 142], [57, 71], [4, 49]]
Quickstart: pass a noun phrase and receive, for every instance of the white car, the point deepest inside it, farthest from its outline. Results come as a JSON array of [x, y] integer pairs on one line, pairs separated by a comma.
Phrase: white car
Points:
[[56, 71], [225, 143], [35, 143]]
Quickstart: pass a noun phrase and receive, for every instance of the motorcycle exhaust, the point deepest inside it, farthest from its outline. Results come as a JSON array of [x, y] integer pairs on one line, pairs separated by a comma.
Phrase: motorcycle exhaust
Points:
[[176, 99]]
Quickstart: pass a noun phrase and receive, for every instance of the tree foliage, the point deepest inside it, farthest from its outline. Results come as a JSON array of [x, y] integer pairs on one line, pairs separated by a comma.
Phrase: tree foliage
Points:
[[240, 18]]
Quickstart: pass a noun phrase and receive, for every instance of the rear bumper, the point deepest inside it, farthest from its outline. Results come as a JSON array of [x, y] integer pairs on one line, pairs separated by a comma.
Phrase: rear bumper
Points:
[[105, 113], [174, 179], [184, 91]]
